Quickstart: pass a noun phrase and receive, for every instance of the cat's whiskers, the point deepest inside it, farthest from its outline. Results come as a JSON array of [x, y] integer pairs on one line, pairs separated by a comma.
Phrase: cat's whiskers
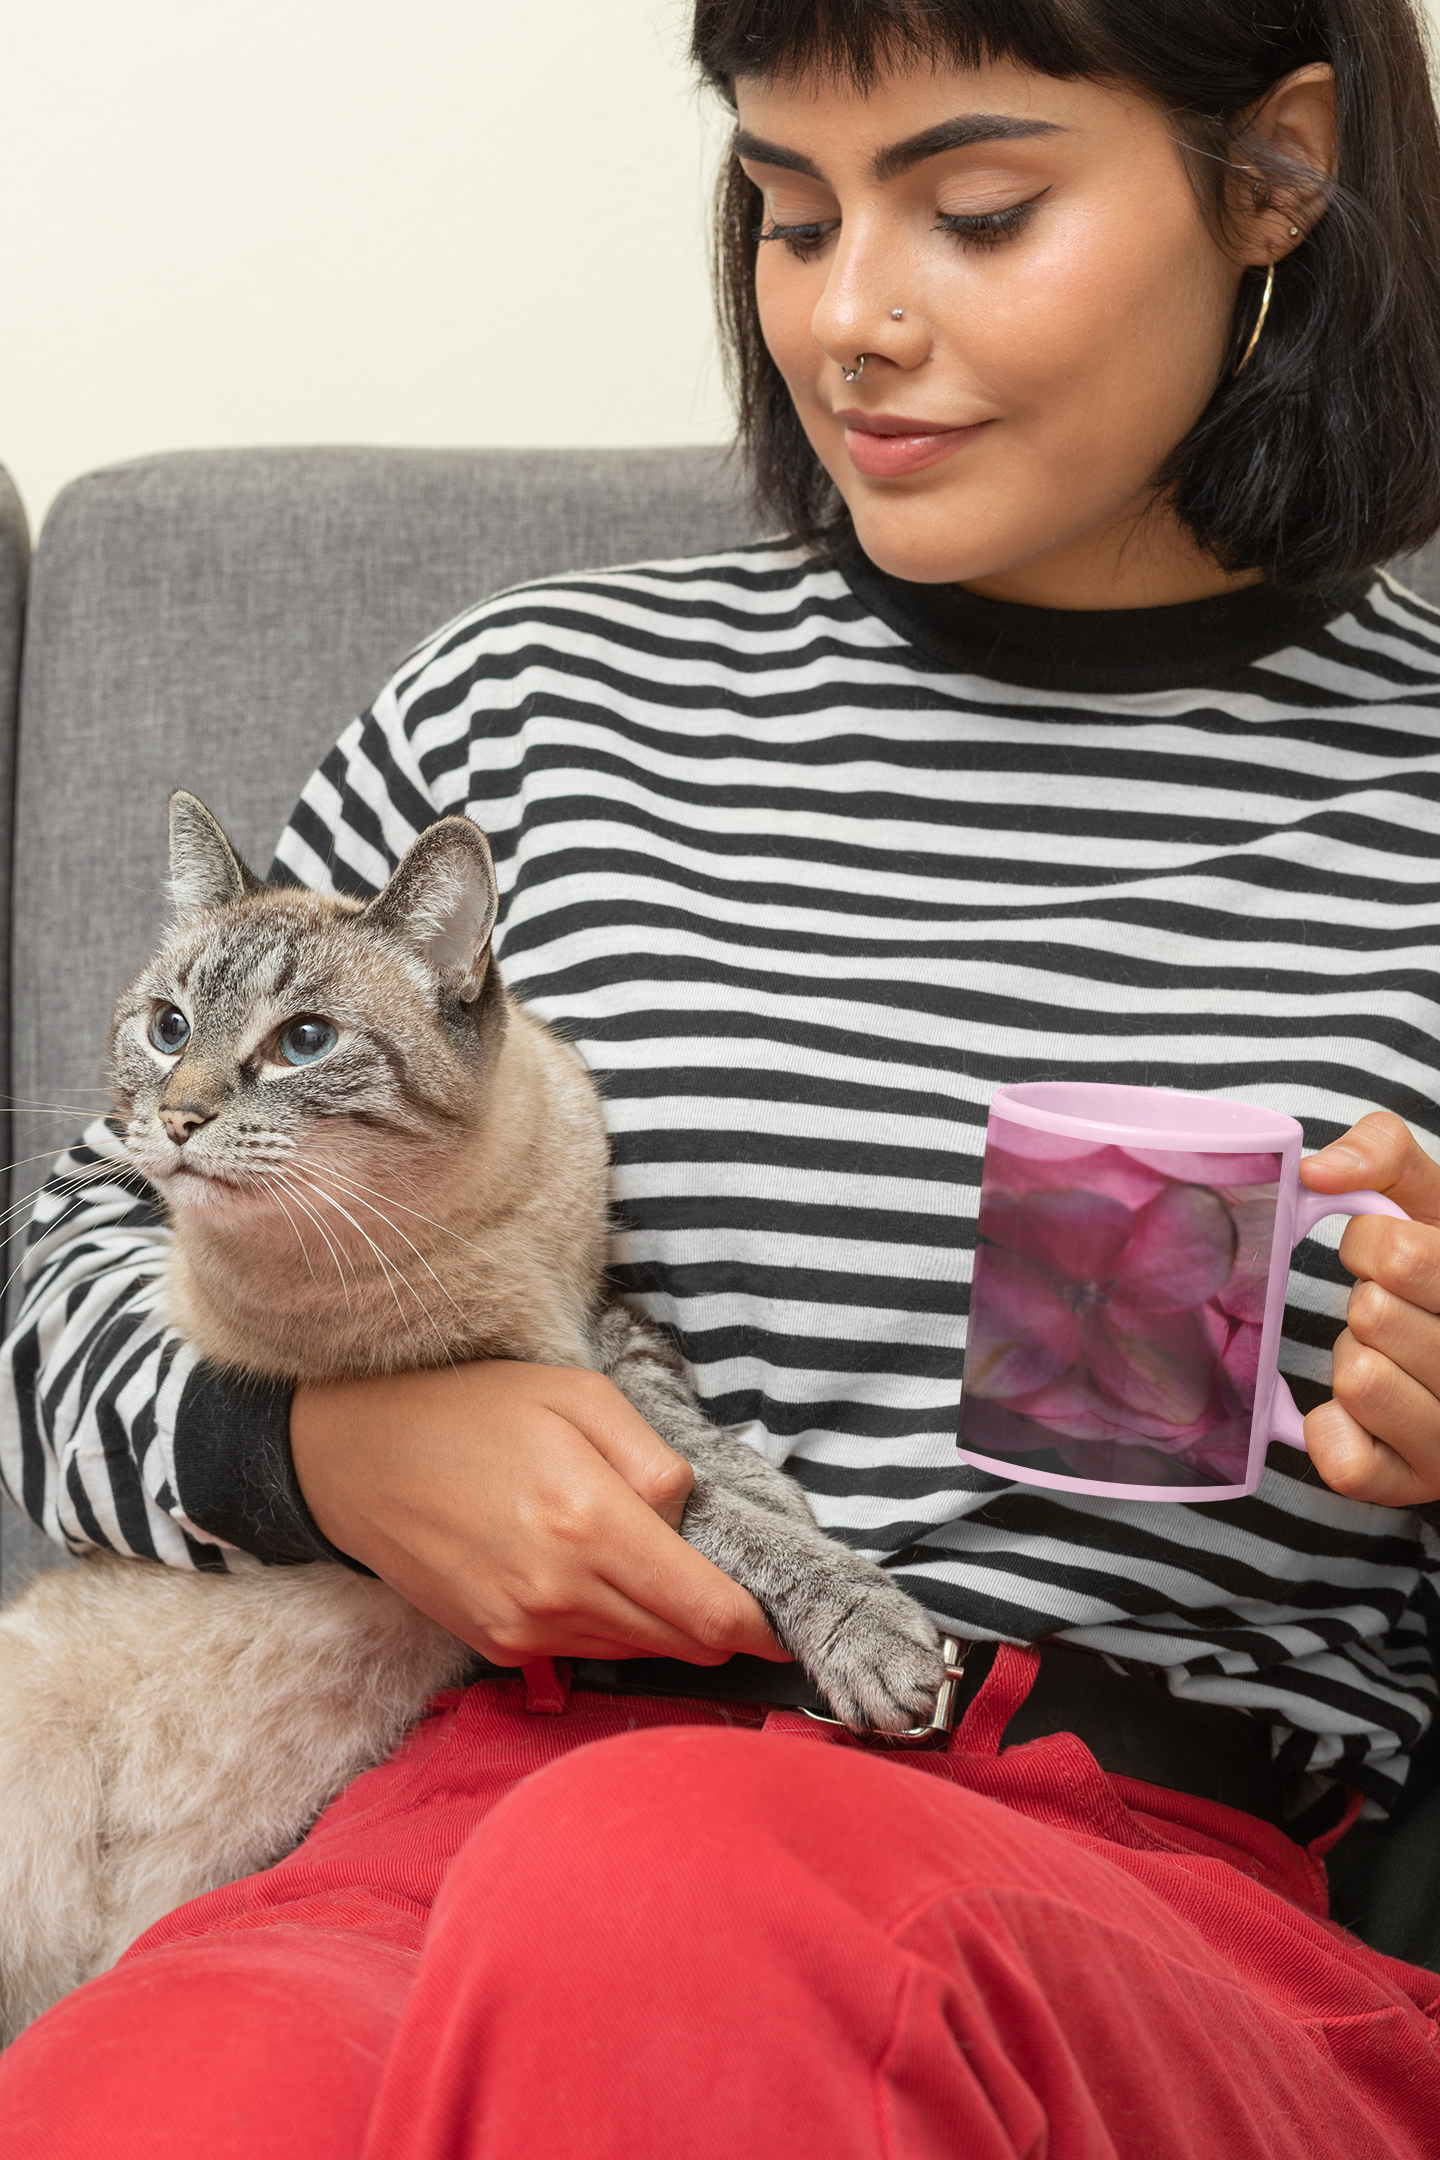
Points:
[[89, 1177], [275, 1192], [6, 1225], [76, 1180], [48, 1154], [335, 1255], [387, 1268], [347, 1181], [38, 1106], [407, 1241]]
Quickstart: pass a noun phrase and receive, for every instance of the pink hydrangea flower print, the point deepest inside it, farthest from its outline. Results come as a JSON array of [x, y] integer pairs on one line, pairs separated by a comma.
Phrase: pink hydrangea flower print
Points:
[[1115, 1317]]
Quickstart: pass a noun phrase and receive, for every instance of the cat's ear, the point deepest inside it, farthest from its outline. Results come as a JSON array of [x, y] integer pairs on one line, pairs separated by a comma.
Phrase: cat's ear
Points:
[[205, 871], [441, 902]]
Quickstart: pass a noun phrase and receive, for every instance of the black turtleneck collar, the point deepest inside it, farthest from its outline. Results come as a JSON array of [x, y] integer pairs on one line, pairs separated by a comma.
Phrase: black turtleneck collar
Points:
[[1110, 651]]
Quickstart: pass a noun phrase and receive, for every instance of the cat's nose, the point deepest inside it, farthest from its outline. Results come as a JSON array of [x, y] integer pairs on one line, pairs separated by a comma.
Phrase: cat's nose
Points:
[[182, 1119]]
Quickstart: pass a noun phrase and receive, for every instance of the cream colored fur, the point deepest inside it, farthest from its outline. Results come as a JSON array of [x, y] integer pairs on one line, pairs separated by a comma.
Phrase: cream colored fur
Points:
[[163, 1733], [433, 1187]]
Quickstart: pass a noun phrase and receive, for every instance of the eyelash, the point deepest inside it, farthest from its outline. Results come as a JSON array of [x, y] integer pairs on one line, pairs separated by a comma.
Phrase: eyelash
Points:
[[988, 230], [804, 242]]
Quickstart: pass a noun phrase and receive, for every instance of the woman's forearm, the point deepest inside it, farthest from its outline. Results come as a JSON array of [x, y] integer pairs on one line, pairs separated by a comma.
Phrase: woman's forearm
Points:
[[527, 1508]]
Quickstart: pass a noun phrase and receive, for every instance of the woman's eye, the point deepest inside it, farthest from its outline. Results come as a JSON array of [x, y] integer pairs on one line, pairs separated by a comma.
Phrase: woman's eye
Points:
[[802, 241], [169, 1029], [988, 228], [304, 1041]]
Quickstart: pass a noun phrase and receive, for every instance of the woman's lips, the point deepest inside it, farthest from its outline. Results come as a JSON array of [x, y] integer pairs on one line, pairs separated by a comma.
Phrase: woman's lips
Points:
[[883, 448]]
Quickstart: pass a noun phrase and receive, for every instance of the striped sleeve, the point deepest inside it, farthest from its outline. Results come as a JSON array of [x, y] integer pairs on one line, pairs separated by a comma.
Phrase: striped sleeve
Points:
[[113, 1433]]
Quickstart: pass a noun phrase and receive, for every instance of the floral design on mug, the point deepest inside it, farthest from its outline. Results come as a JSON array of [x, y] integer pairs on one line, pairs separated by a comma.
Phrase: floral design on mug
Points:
[[1117, 1308]]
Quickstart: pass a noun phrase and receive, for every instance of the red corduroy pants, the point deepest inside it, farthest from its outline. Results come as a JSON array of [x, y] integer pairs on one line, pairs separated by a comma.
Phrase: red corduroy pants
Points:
[[663, 1931]]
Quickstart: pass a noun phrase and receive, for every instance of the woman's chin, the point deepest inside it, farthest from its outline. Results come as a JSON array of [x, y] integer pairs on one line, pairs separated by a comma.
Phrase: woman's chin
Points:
[[930, 539]]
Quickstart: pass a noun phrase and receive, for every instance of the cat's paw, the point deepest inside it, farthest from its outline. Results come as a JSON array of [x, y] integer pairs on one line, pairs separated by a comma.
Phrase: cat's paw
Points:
[[882, 1665]]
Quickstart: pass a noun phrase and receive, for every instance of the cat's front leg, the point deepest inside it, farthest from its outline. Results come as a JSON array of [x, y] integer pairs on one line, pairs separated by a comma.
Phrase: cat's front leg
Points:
[[639, 1359], [868, 1647]]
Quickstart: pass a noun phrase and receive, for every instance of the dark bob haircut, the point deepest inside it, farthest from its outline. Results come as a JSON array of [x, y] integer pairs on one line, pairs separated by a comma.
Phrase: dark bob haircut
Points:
[[1323, 458]]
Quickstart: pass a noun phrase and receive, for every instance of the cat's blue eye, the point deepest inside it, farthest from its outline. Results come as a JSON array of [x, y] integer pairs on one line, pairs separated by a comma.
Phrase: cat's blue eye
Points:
[[304, 1041], [169, 1030]]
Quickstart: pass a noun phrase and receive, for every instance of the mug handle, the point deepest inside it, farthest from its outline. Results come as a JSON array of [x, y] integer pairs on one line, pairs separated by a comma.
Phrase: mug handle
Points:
[[1286, 1423]]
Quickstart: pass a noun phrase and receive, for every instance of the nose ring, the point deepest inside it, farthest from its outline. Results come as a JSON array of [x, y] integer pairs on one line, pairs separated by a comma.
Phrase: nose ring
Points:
[[853, 374], [897, 314]]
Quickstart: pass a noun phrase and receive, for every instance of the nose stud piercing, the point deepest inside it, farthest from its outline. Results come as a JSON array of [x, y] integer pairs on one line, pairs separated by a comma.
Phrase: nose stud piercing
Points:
[[853, 374]]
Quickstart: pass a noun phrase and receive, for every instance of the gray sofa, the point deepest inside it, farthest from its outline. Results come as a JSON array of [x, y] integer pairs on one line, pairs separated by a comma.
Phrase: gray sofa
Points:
[[215, 619]]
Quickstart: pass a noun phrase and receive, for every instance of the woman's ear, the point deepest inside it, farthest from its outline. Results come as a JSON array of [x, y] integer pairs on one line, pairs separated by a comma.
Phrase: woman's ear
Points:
[[1296, 135]]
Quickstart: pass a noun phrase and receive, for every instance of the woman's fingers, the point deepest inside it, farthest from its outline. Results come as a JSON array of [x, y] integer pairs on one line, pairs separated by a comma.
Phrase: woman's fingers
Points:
[[1380, 1153], [1388, 1330], [613, 1426], [1379, 1440], [1402, 1257]]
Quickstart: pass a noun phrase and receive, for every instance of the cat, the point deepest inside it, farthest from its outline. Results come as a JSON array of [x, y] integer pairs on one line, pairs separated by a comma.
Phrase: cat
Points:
[[373, 1158]]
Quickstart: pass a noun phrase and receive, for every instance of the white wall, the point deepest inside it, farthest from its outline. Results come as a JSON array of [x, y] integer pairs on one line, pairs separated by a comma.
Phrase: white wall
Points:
[[398, 221]]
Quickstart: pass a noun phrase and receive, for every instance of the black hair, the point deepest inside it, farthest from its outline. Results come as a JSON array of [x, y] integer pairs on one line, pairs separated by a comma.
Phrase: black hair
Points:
[[1323, 457]]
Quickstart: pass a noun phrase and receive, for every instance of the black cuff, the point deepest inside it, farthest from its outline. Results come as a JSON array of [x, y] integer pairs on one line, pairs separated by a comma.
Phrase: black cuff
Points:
[[236, 1475]]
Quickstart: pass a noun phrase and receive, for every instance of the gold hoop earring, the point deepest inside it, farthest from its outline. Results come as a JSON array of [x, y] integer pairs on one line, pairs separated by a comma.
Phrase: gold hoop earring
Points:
[[1259, 322]]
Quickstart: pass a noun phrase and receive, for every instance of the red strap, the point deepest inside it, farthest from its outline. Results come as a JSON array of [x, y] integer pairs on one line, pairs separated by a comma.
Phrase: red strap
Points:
[[794, 1725], [1002, 1691], [1318, 1847], [547, 1685]]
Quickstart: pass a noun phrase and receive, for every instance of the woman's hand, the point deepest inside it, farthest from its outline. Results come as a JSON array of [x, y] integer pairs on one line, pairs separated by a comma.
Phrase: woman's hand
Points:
[[528, 1508], [1380, 1438]]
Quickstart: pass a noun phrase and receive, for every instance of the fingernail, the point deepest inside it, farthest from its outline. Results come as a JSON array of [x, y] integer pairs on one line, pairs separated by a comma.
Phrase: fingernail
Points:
[[1338, 1157]]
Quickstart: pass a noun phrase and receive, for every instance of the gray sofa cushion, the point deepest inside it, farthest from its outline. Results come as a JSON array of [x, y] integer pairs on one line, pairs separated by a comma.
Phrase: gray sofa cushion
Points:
[[1421, 571], [213, 620]]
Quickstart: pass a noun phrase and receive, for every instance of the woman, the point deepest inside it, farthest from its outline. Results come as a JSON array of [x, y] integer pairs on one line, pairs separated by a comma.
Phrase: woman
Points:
[[1089, 351]]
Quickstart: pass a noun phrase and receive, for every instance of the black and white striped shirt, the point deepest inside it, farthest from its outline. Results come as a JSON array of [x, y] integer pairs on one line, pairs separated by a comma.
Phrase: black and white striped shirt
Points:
[[806, 862]]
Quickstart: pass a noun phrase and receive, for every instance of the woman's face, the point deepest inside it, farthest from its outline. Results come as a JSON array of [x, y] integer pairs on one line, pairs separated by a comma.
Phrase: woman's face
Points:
[[1043, 310]]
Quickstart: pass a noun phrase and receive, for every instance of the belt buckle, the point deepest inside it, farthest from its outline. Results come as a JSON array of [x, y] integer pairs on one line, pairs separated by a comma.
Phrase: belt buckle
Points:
[[941, 1721]]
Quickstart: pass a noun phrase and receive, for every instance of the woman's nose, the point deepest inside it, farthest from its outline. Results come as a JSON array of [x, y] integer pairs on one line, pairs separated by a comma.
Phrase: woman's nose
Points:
[[863, 312]]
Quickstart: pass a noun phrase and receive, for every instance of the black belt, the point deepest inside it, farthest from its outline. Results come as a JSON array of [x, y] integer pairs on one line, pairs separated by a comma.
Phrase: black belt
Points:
[[1133, 1727]]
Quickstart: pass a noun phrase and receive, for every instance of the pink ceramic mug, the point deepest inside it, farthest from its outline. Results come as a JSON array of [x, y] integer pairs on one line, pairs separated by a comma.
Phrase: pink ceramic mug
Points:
[[1129, 1290]]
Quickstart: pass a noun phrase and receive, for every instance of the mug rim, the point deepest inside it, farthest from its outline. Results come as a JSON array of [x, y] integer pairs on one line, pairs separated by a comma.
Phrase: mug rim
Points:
[[1257, 1130]]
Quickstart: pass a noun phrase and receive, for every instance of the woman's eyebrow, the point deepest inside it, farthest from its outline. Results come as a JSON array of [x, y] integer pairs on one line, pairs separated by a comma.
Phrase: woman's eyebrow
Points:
[[956, 134], [751, 146]]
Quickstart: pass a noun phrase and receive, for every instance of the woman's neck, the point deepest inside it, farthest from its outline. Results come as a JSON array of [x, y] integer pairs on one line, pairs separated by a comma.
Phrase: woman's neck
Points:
[[1142, 558]]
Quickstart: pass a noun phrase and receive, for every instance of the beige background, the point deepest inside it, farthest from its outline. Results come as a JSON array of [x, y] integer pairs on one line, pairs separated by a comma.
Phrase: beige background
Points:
[[394, 221]]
